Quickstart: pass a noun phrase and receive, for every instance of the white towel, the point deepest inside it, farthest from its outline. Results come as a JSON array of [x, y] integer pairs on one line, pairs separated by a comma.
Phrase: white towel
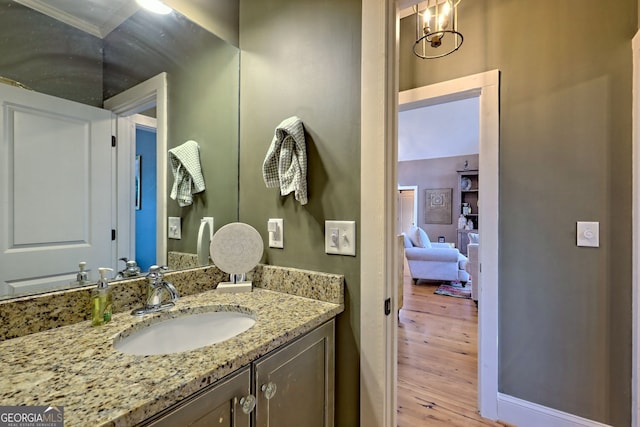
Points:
[[187, 173], [285, 165]]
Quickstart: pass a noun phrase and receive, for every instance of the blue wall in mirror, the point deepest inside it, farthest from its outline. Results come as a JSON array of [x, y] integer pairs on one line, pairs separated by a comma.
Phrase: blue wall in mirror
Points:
[[146, 215]]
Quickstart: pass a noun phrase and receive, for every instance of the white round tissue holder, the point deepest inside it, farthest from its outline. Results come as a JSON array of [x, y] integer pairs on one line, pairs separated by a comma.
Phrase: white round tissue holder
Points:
[[236, 248]]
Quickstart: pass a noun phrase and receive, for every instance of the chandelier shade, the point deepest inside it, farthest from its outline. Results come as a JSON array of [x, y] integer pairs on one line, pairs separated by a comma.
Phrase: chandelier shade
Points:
[[437, 32]]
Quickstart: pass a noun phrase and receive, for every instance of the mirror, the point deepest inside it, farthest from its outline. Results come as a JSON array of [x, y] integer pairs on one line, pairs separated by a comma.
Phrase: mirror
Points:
[[202, 76]]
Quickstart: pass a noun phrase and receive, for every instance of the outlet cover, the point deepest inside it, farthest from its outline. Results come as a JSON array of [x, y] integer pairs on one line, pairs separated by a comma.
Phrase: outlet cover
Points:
[[275, 227], [340, 237], [175, 229], [588, 234]]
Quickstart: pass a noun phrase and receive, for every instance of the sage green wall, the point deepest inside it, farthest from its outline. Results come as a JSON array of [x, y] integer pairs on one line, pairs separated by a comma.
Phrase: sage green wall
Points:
[[565, 156], [203, 77], [203, 106], [303, 58], [219, 16]]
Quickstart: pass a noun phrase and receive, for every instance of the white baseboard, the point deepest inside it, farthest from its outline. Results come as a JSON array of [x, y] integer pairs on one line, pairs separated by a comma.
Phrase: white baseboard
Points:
[[522, 413]]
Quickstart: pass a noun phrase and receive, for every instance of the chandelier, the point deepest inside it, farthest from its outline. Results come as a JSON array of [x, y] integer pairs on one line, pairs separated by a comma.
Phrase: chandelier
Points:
[[437, 32]]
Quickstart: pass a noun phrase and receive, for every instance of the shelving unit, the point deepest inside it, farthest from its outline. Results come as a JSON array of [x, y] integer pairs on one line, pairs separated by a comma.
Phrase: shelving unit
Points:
[[468, 194]]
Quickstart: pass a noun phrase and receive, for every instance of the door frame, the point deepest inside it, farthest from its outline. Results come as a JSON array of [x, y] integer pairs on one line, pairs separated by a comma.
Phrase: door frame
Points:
[[485, 86], [148, 124], [378, 189], [152, 92], [379, 106]]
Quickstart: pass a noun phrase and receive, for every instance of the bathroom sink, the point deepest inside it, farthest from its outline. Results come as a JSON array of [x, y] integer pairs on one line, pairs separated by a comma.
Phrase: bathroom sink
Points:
[[183, 333]]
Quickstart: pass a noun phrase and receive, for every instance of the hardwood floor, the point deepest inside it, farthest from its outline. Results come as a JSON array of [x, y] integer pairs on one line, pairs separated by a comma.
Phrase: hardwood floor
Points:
[[437, 359]]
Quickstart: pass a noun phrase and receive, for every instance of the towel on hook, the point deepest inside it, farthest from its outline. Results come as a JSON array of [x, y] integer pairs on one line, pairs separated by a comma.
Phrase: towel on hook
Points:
[[187, 173], [285, 165]]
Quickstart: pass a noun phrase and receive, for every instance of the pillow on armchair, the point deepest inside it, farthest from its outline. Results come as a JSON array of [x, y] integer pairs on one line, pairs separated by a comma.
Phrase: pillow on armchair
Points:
[[474, 238], [419, 237]]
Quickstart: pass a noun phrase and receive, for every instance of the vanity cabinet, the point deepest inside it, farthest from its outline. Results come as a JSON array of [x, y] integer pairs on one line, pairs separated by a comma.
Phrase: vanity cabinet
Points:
[[295, 384], [291, 386], [219, 405]]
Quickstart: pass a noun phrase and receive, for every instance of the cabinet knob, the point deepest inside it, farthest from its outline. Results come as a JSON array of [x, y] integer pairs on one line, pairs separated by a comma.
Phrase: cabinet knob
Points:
[[247, 404], [269, 390]]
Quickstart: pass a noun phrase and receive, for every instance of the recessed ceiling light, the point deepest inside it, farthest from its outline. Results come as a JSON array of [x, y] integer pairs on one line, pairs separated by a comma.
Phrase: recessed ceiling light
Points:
[[155, 6]]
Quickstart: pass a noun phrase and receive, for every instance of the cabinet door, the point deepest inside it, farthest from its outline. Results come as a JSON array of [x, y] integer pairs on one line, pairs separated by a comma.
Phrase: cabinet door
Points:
[[218, 405], [295, 384]]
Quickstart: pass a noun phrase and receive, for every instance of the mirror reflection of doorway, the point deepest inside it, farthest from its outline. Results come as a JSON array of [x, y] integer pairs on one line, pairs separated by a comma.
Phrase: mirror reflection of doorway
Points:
[[145, 216]]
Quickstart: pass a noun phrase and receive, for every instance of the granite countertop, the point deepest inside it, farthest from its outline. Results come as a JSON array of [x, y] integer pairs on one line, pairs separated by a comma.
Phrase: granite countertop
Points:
[[76, 366]]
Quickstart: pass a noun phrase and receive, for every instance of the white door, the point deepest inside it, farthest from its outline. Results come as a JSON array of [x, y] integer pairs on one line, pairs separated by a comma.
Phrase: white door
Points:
[[406, 210], [55, 190]]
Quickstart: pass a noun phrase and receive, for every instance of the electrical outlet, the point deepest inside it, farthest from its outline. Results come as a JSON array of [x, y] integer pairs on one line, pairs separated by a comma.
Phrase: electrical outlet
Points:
[[175, 229], [340, 237]]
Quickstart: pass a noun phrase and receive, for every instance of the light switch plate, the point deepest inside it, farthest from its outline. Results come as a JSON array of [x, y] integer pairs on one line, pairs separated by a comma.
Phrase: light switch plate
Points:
[[588, 234], [340, 237], [175, 229], [275, 227]]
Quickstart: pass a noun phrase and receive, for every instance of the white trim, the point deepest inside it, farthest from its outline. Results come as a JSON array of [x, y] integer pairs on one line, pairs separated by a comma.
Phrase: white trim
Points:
[[147, 123], [139, 98], [635, 208], [378, 179], [101, 31], [526, 414], [124, 188], [486, 87]]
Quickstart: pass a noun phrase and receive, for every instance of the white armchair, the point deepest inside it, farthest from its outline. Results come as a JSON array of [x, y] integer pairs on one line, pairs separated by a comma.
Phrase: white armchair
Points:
[[433, 261]]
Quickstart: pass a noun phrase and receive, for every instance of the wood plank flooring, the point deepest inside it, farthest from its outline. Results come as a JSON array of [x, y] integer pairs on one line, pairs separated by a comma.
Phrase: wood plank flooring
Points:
[[437, 359]]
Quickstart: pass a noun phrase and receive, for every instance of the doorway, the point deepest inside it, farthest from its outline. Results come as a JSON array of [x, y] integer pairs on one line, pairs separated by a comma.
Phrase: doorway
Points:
[[436, 143], [148, 94], [484, 86], [145, 195], [407, 207], [378, 376]]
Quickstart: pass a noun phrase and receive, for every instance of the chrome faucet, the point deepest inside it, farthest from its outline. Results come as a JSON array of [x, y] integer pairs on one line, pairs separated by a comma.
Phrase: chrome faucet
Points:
[[157, 287], [131, 269]]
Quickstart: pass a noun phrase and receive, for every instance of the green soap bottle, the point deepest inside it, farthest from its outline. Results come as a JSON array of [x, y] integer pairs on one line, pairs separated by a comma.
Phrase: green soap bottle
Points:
[[101, 300]]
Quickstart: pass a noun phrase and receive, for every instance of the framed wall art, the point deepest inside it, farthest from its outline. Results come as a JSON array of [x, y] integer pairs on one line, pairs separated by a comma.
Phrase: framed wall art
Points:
[[437, 205]]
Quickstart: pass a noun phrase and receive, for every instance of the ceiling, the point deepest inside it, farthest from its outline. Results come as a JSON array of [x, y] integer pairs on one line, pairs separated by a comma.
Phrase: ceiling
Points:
[[96, 17], [441, 130]]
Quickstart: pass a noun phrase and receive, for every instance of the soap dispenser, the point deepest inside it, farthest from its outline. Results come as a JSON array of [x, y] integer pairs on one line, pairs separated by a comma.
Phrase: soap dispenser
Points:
[[101, 300]]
